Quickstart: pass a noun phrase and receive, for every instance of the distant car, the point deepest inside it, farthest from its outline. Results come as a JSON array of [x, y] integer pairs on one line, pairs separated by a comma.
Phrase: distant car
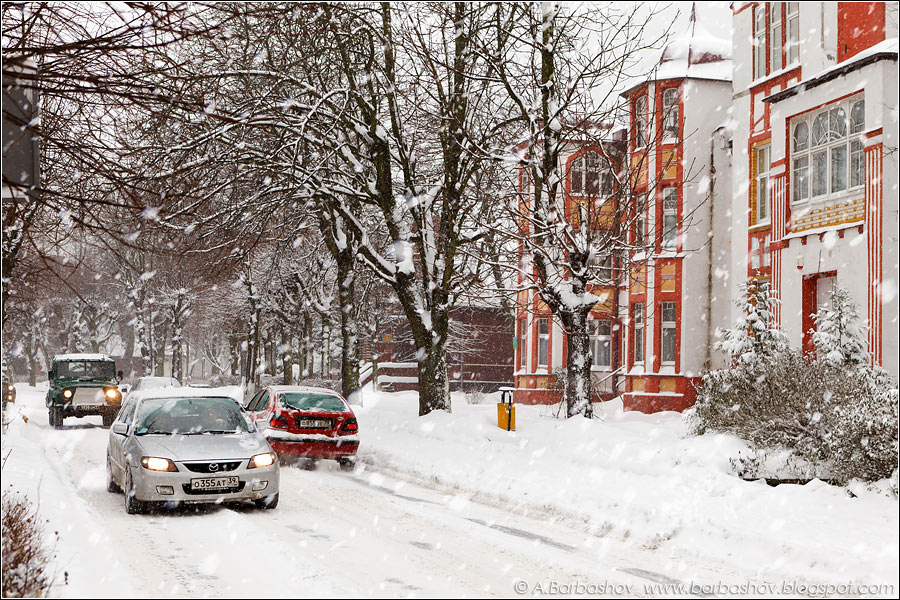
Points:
[[306, 422], [82, 385], [9, 391], [180, 445], [154, 383]]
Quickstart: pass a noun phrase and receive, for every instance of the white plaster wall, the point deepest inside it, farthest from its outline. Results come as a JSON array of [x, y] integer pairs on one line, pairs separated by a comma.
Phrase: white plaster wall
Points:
[[707, 105]]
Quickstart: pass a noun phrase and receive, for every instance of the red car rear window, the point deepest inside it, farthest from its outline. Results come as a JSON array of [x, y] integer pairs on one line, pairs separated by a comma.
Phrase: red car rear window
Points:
[[312, 401]]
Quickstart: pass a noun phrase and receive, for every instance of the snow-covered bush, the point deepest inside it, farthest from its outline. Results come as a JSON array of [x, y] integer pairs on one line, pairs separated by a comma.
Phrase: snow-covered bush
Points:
[[26, 561], [755, 335], [835, 412]]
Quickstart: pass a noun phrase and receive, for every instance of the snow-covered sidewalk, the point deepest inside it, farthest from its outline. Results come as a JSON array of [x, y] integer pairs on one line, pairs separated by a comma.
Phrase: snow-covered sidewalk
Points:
[[639, 479]]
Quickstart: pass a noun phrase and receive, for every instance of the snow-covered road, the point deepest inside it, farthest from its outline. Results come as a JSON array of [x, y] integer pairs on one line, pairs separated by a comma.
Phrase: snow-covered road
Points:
[[333, 533]]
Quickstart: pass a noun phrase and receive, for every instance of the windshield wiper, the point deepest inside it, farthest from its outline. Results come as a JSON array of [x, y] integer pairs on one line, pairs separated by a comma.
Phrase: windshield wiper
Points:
[[154, 432]]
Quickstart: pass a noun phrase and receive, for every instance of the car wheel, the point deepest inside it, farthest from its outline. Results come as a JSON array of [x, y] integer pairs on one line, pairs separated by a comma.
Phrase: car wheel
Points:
[[108, 419], [56, 417], [111, 485], [268, 503], [347, 464], [133, 506]]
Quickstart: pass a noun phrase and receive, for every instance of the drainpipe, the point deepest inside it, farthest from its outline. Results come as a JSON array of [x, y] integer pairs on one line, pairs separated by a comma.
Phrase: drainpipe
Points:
[[707, 359]]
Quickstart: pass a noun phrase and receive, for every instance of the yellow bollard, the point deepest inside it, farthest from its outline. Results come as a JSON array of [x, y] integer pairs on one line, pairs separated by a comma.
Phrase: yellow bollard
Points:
[[506, 411]]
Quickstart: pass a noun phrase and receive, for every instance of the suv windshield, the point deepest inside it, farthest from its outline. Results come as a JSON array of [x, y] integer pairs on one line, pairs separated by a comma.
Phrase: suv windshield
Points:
[[86, 369], [189, 416], [312, 401]]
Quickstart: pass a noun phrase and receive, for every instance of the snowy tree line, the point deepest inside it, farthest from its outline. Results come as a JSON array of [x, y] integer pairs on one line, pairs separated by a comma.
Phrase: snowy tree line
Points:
[[256, 182]]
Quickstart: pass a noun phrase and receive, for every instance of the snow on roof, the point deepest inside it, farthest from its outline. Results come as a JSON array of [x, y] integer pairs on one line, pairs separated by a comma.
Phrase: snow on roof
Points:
[[80, 356], [884, 49], [695, 54]]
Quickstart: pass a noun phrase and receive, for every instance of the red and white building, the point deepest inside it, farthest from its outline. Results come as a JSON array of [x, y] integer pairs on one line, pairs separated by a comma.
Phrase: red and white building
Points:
[[814, 177], [775, 156]]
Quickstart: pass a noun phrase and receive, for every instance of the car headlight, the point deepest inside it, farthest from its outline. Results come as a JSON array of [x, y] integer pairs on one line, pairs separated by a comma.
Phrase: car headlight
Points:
[[67, 394], [112, 394], [266, 459], [10, 388], [154, 463]]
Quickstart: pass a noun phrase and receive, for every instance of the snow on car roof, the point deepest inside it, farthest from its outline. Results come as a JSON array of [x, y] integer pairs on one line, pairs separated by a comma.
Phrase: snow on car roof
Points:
[[80, 356], [302, 388], [234, 392]]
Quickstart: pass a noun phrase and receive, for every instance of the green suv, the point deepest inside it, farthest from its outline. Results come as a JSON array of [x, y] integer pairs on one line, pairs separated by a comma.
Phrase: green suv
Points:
[[81, 385]]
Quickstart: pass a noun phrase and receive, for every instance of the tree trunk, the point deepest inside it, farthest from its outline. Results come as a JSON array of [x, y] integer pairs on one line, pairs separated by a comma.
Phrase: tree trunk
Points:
[[434, 386], [349, 337], [578, 365], [286, 357]]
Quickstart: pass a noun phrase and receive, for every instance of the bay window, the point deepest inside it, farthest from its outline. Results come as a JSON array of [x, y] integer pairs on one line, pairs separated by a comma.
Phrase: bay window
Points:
[[640, 122], [827, 151]]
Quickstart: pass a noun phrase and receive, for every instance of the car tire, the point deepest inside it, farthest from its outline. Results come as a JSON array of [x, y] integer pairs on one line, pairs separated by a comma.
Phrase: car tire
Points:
[[133, 506], [56, 417], [111, 486], [267, 503], [347, 464], [108, 419]]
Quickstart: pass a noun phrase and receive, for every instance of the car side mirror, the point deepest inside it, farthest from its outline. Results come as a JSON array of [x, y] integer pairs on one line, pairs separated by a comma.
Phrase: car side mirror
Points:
[[120, 428], [120, 375]]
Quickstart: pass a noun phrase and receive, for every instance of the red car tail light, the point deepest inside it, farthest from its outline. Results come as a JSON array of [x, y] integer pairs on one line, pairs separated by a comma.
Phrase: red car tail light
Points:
[[278, 422], [350, 426]]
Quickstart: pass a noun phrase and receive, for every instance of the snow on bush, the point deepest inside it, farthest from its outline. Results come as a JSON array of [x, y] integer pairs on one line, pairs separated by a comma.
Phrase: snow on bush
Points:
[[25, 558], [835, 413]]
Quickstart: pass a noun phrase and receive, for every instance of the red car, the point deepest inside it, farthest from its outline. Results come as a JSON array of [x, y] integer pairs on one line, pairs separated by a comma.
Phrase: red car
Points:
[[306, 422]]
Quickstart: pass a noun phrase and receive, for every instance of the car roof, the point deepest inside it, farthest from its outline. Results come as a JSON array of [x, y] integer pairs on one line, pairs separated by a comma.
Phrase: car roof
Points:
[[181, 392], [302, 388], [80, 356]]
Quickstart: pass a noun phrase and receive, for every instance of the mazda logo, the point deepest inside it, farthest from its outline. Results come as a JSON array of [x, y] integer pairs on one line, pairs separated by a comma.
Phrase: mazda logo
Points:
[[213, 467]]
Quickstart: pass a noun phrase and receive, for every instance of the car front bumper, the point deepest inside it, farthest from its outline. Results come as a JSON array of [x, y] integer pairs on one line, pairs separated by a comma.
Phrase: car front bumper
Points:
[[254, 484]]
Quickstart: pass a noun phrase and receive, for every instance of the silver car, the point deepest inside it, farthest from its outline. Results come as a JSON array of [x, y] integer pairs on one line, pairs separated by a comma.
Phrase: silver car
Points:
[[181, 445]]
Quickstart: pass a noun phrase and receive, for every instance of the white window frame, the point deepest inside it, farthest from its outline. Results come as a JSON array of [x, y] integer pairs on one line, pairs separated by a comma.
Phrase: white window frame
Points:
[[590, 175], [760, 49], [600, 332], [637, 313], [804, 152], [776, 48], [641, 134], [543, 343], [670, 113], [670, 218], [668, 325], [792, 32], [523, 344], [763, 199]]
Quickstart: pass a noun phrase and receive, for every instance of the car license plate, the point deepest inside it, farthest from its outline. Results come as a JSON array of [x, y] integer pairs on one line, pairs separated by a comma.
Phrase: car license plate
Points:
[[312, 423], [214, 483]]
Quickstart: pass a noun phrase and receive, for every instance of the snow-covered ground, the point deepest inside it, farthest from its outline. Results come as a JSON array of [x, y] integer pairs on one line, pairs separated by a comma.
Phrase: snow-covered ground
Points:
[[450, 505], [639, 480]]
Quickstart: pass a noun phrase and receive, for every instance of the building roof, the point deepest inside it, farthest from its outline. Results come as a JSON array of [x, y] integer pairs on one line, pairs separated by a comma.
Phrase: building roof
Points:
[[695, 54], [886, 49]]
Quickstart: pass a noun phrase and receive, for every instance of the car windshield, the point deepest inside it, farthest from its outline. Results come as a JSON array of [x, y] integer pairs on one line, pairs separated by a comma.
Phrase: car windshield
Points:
[[189, 416], [312, 401], [86, 369]]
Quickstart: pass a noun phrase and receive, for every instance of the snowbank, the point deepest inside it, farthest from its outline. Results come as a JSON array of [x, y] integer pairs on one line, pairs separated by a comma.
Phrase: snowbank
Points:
[[641, 479]]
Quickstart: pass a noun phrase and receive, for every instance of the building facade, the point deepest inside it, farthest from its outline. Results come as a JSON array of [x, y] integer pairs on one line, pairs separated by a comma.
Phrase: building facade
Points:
[[815, 161]]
